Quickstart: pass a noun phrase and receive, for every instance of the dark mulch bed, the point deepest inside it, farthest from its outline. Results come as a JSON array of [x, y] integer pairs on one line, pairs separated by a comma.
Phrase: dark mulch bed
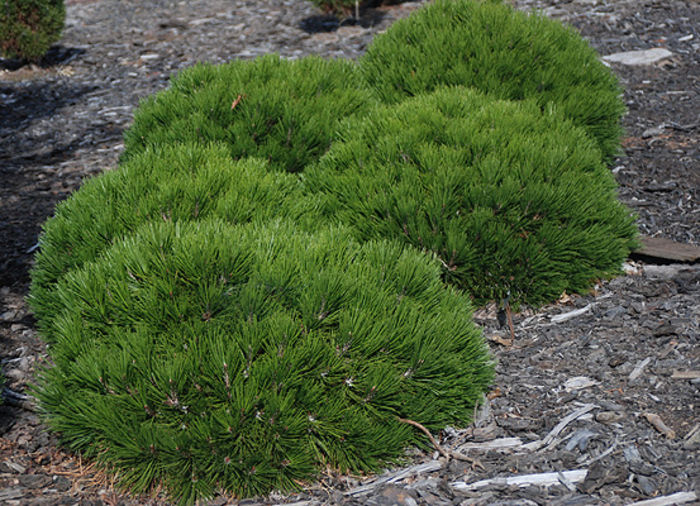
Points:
[[630, 352]]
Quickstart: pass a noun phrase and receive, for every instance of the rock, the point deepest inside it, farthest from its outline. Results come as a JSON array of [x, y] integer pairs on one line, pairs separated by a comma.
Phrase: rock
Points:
[[652, 132], [391, 495], [642, 57], [610, 416]]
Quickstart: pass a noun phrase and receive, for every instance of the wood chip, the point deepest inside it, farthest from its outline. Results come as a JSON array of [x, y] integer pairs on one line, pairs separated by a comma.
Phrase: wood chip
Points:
[[536, 445], [659, 248], [427, 467], [525, 480], [639, 368], [658, 424], [571, 314], [685, 375], [496, 444], [677, 498]]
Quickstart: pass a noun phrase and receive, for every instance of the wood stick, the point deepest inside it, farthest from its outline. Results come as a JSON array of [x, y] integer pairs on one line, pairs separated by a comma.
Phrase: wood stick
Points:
[[427, 433]]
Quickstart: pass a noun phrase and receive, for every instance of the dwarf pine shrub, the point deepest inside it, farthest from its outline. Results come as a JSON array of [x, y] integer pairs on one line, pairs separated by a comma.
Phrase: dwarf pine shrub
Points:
[[281, 110], [29, 27], [176, 182], [207, 356], [508, 197], [502, 52]]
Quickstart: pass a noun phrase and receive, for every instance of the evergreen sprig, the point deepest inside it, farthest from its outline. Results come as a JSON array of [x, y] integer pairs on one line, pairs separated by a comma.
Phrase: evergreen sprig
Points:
[[212, 357], [172, 182], [284, 111], [509, 54], [511, 199]]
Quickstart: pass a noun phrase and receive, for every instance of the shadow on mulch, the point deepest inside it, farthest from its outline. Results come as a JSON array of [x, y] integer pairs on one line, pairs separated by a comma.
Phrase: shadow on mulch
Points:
[[56, 55], [329, 23], [27, 152]]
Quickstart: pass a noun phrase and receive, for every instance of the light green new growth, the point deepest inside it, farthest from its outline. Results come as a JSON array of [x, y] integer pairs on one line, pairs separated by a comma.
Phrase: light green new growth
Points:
[[212, 357], [500, 51], [508, 197]]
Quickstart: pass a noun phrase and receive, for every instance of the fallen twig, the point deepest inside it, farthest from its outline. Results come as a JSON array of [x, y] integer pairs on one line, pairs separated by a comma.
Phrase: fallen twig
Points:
[[445, 453], [525, 480], [427, 433]]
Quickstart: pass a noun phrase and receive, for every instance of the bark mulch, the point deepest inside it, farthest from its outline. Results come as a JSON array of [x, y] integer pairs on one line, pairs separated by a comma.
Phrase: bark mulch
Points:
[[597, 396]]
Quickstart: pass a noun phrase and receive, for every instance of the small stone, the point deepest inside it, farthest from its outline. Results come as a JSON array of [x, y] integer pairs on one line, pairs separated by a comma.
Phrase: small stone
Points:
[[8, 316], [610, 416], [616, 360], [643, 57], [652, 132], [392, 495]]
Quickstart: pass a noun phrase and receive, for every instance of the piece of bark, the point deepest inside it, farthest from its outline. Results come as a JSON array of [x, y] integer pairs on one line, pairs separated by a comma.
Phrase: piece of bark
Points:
[[666, 250], [658, 424], [677, 498], [685, 375]]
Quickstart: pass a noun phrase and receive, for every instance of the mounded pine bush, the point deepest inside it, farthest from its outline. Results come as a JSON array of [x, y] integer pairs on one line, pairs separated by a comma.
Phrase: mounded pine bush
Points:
[[29, 27], [177, 182], [206, 356], [498, 50], [284, 111], [510, 198]]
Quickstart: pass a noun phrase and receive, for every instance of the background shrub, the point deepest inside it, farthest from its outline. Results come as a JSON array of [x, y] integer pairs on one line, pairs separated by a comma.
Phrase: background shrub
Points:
[[285, 111], [176, 182], [29, 27], [500, 51], [210, 356], [508, 197]]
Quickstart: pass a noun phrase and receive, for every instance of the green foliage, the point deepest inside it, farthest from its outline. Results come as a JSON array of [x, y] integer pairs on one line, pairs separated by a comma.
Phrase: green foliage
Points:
[[508, 197], [245, 358], [175, 182], [284, 111], [29, 27], [509, 54]]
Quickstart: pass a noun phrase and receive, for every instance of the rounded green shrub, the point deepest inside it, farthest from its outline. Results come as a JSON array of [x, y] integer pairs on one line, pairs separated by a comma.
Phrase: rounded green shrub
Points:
[[29, 27], [505, 53], [176, 182], [207, 356], [284, 111], [510, 199]]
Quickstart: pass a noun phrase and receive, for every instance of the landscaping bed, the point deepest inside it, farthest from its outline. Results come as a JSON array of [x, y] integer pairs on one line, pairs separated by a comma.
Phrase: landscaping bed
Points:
[[629, 353]]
